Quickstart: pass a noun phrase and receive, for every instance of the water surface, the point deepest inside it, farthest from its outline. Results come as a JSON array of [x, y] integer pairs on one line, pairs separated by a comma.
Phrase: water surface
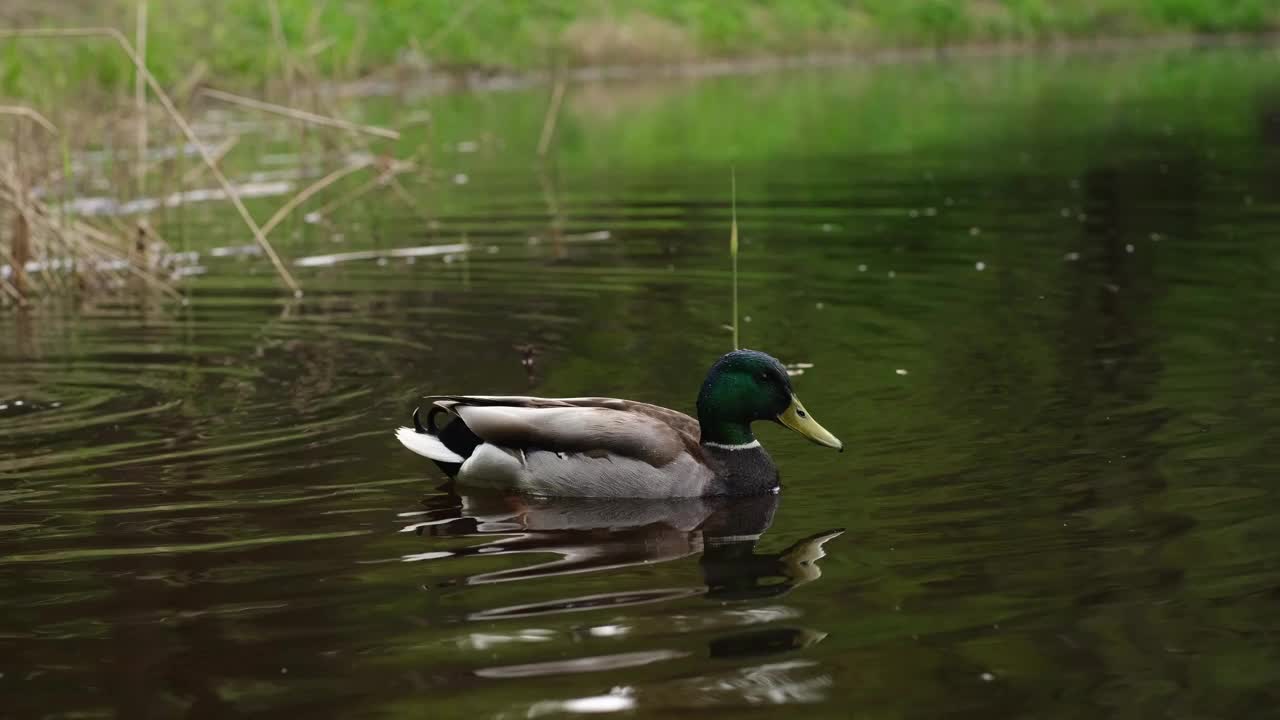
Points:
[[1036, 299]]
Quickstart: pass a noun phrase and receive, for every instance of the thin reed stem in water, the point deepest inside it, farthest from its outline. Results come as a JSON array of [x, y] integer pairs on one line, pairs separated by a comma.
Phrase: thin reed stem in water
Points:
[[553, 115], [140, 94], [383, 177], [282, 45], [733, 249], [309, 192], [21, 251]]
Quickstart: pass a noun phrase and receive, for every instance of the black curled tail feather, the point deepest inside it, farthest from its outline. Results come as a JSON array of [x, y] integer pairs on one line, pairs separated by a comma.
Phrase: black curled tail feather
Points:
[[455, 435], [432, 428], [431, 419]]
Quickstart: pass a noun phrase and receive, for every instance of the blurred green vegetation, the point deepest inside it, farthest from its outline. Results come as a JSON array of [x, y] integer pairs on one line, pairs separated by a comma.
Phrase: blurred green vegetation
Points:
[[238, 42]]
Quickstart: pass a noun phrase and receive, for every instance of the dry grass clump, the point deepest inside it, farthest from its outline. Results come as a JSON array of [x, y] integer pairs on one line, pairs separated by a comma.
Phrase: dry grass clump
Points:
[[634, 39], [44, 249]]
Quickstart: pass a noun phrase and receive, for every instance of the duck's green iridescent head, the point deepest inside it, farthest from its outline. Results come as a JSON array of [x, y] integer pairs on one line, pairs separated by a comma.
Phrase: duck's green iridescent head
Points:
[[744, 386]]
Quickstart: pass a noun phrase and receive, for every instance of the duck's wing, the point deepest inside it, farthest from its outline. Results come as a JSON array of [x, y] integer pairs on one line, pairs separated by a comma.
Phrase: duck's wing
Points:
[[598, 427]]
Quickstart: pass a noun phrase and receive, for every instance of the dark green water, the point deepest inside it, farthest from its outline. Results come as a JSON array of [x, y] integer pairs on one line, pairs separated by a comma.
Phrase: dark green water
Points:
[[1041, 306]]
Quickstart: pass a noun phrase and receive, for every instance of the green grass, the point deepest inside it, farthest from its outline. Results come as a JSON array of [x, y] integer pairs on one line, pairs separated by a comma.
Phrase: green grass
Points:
[[351, 39]]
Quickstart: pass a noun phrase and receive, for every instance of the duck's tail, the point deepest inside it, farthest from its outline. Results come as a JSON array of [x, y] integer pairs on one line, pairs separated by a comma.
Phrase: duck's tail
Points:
[[428, 446], [425, 443]]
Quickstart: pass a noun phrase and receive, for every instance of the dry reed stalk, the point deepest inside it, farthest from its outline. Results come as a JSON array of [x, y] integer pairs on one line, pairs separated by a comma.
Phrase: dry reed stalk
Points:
[[12, 292], [182, 124], [108, 250], [217, 155], [190, 82], [313, 20], [277, 33], [553, 114], [407, 198], [309, 192], [296, 114], [140, 93], [308, 74], [383, 178], [32, 115], [21, 252], [32, 216]]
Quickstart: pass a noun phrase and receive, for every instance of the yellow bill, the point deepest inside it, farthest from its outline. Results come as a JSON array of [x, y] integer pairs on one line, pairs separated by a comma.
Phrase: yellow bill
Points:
[[798, 419]]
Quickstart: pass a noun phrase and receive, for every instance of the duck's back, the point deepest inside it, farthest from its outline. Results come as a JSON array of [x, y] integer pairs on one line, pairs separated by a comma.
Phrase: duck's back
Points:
[[579, 447]]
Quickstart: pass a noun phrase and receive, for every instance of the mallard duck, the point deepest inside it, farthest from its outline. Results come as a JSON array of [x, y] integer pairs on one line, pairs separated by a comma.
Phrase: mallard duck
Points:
[[606, 447]]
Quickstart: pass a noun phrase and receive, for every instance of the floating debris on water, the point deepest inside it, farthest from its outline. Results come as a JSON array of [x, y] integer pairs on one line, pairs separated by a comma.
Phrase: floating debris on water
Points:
[[794, 369], [106, 206], [975, 231], [1129, 248], [987, 677], [901, 371], [236, 251], [979, 266], [461, 179], [589, 236], [421, 251], [862, 268], [1071, 256]]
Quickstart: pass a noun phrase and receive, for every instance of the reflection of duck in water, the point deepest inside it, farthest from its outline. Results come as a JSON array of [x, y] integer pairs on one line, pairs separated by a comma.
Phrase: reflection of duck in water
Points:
[[593, 534], [605, 447]]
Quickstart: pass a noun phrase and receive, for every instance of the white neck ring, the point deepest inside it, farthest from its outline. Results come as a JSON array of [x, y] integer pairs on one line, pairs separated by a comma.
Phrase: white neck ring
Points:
[[743, 446]]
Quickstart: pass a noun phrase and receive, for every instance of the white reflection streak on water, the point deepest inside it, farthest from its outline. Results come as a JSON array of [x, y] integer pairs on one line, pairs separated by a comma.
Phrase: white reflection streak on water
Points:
[[488, 641], [596, 663], [770, 684], [617, 700]]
